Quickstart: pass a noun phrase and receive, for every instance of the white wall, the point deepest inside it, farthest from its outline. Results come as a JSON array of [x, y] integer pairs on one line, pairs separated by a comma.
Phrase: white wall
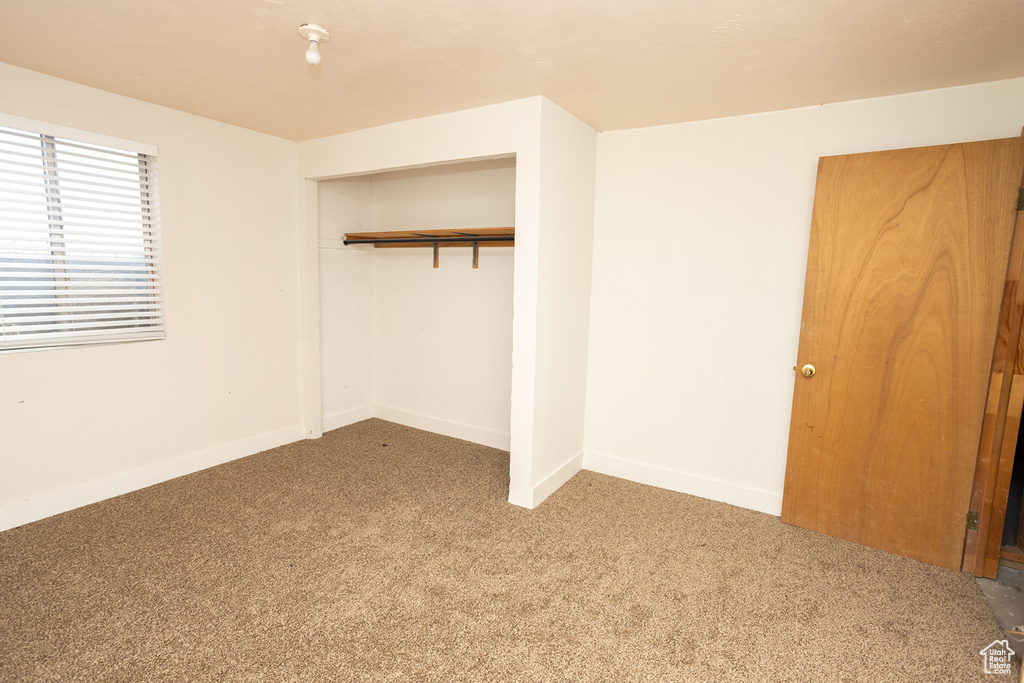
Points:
[[700, 248], [568, 165], [82, 424], [431, 348]]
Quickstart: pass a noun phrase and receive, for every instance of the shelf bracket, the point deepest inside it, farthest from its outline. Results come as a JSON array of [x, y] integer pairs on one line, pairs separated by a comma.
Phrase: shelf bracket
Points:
[[476, 254], [436, 253]]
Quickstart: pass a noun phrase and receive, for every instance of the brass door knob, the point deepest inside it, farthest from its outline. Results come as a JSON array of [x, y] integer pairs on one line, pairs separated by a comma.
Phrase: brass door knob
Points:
[[808, 371]]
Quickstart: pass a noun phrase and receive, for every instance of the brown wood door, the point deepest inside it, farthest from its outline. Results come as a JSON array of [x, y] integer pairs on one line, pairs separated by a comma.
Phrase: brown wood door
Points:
[[905, 275]]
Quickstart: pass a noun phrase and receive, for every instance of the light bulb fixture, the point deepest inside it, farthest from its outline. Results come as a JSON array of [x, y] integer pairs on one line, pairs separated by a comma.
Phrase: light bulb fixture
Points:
[[315, 34]]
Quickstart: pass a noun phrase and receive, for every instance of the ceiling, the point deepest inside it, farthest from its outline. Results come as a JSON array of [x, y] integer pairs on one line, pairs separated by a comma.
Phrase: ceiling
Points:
[[613, 63]]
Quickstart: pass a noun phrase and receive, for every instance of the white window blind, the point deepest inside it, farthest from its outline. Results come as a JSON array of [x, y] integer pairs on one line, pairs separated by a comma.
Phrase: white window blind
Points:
[[79, 243]]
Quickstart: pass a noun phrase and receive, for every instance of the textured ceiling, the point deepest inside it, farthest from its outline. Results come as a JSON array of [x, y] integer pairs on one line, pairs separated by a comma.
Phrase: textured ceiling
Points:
[[613, 63]]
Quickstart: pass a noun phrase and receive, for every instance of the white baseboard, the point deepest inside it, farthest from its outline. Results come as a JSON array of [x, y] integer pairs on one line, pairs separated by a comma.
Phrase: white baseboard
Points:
[[480, 435], [554, 481], [674, 480], [347, 417], [34, 509]]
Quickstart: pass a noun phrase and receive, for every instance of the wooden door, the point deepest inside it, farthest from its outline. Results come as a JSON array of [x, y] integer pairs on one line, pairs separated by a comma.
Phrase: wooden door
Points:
[[905, 275]]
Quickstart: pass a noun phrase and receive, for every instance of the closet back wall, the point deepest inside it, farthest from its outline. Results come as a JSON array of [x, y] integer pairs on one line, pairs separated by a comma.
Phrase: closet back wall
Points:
[[437, 342]]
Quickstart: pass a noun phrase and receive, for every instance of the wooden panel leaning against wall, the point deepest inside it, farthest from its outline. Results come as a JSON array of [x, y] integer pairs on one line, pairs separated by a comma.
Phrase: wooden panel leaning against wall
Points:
[[998, 441]]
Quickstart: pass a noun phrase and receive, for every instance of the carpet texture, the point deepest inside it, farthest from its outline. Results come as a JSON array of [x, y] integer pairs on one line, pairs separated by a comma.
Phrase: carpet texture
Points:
[[384, 553]]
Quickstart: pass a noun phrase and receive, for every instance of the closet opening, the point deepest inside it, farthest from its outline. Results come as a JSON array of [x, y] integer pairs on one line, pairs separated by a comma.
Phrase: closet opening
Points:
[[428, 347]]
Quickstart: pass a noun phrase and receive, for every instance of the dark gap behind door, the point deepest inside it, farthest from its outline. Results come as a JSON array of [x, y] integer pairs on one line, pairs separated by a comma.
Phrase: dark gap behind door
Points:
[[1012, 527]]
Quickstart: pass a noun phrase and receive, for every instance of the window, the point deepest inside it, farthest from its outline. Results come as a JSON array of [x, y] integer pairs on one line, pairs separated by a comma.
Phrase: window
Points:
[[79, 242]]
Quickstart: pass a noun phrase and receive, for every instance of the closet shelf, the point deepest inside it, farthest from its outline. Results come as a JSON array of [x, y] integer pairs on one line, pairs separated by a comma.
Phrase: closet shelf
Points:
[[459, 237]]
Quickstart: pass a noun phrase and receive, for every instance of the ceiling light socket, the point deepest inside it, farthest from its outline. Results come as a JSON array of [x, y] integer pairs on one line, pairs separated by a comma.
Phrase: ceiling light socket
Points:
[[315, 34]]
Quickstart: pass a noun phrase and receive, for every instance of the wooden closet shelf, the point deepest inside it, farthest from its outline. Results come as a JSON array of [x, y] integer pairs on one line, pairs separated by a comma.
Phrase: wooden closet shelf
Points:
[[459, 237]]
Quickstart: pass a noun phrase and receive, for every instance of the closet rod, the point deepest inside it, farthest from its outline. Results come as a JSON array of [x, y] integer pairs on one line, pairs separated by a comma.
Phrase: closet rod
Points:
[[429, 240]]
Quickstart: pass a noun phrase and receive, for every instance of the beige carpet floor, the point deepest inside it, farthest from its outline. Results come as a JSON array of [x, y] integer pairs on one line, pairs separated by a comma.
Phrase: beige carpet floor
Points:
[[384, 553]]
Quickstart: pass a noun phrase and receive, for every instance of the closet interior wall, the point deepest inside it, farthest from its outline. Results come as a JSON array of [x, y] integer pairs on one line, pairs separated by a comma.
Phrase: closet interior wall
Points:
[[401, 340]]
